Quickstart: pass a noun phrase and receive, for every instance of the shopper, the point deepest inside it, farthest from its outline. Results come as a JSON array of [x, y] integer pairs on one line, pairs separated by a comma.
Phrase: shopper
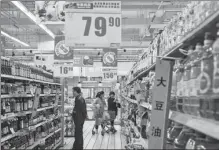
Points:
[[99, 105], [79, 116], [113, 106]]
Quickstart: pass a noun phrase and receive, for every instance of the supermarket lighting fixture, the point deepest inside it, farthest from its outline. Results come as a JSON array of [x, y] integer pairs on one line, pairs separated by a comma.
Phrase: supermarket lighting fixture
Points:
[[14, 39], [32, 17]]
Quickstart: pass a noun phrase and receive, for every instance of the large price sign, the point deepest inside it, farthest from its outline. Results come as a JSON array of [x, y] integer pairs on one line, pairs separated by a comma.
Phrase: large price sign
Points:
[[93, 27], [109, 74], [63, 70]]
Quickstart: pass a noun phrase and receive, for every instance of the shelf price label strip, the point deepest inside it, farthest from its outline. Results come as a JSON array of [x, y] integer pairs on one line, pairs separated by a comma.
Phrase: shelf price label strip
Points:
[[160, 111]]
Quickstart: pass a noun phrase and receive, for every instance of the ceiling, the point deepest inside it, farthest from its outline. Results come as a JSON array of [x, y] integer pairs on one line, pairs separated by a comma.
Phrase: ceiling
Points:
[[137, 17]]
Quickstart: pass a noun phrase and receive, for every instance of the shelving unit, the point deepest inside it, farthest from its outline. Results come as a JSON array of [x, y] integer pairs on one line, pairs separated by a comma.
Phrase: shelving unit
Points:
[[143, 104], [173, 52], [184, 111], [31, 128], [205, 126]]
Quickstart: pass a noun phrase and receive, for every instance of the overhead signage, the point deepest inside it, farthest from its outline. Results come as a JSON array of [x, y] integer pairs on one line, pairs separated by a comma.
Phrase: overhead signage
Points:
[[109, 57], [62, 52], [93, 24], [83, 61], [63, 70], [160, 111], [109, 74]]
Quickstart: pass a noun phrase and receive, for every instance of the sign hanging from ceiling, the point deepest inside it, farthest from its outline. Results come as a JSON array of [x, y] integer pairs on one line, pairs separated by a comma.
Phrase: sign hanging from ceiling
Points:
[[109, 74], [93, 24], [63, 70], [83, 61], [62, 52], [109, 57]]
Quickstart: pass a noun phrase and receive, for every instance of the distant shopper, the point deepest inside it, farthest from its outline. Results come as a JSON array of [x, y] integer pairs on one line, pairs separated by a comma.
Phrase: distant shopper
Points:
[[79, 116], [113, 106], [99, 105]]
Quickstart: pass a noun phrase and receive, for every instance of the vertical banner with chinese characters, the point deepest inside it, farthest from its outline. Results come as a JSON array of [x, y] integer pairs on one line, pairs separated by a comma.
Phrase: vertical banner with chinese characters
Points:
[[109, 57], [160, 104], [62, 52]]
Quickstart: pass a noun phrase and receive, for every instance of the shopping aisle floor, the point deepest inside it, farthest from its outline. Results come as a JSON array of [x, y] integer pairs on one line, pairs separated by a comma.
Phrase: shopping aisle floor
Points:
[[97, 141]]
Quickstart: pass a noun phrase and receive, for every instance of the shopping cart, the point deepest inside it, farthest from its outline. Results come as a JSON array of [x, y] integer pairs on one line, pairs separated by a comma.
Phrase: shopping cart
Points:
[[104, 122]]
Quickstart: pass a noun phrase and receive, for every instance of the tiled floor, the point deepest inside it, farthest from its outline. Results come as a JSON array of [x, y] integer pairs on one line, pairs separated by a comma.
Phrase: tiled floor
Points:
[[97, 141]]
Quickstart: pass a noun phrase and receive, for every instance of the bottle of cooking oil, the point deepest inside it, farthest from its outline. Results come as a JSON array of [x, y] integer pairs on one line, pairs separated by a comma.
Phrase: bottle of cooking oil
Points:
[[215, 81], [186, 79], [194, 74], [206, 75]]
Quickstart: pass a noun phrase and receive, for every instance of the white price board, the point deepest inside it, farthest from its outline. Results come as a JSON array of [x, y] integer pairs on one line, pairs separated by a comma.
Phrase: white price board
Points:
[[63, 70], [92, 29], [109, 74]]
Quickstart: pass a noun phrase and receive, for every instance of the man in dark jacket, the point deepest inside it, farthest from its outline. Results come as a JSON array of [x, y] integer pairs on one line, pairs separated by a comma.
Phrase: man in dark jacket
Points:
[[113, 108], [79, 116]]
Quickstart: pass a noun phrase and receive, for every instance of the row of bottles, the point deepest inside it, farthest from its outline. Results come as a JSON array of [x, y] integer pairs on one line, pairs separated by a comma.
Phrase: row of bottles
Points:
[[198, 80], [28, 139], [22, 89], [182, 137], [9, 67], [16, 105], [181, 24], [24, 122]]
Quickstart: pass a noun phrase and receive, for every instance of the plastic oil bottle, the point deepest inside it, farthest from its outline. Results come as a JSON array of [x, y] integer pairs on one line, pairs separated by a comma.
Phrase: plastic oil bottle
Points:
[[186, 79], [205, 90], [194, 74], [215, 81]]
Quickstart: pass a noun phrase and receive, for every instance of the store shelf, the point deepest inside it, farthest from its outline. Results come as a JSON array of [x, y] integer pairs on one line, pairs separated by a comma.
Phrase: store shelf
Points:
[[143, 74], [8, 137], [205, 126], [188, 37], [25, 95], [27, 79], [129, 99], [42, 123], [42, 140], [12, 115]]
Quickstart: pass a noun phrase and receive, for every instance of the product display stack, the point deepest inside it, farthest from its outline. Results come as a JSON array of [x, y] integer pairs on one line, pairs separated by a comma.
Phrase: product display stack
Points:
[[30, 107], [191, 42]]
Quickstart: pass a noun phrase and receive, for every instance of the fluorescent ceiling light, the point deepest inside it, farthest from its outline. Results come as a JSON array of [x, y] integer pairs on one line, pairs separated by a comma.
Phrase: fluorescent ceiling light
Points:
[[14, 39], [32, 17]]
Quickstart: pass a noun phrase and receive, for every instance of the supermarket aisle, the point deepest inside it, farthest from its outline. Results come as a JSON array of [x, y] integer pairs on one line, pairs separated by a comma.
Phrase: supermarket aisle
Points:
[[97, 141]]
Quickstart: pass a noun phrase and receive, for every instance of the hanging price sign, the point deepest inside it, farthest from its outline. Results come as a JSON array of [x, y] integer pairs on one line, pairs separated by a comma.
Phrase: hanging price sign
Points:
[[63, 70], [109, 74], [93, 24]]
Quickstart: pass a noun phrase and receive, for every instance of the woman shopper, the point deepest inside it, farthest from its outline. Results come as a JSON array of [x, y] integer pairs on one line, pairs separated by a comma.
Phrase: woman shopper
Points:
[[99, 105], [113, 106]]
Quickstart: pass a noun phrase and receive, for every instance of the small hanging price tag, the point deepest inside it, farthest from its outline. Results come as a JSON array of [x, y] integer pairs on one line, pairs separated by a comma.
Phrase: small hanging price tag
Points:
[[63, 70], [109, 74]]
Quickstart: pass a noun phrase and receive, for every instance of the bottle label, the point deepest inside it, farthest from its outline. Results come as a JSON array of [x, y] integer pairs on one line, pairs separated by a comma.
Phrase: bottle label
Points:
[[205, 83]]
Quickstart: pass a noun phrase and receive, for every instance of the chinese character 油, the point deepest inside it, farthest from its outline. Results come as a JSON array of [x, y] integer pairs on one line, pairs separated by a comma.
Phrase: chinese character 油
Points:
[[156, 132], [161, 82], [159, 105]]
